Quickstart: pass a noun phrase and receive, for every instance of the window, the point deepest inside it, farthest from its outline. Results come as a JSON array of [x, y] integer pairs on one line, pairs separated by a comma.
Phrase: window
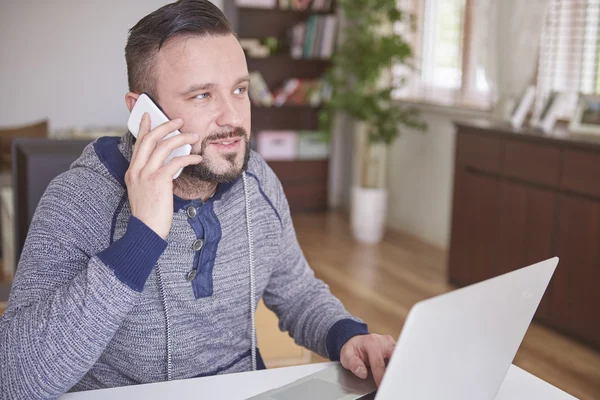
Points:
[[569, 53], [445, 71]]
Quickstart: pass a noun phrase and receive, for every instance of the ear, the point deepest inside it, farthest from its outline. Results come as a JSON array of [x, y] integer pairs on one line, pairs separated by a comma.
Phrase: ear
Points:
[[130, 99]]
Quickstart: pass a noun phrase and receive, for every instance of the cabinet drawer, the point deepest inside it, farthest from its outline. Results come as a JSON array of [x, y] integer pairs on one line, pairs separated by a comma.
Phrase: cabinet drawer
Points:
[[306, 196], [532, 162], [478, 151], [581, 172], [301, 171]]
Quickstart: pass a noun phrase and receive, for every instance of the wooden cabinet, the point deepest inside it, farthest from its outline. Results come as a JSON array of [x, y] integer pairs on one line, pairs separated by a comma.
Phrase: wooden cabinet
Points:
[[576, 288], [531, 162], [499, 229], [478, 206], [581, 172], [304, 183], [521, 197], [527, 231]]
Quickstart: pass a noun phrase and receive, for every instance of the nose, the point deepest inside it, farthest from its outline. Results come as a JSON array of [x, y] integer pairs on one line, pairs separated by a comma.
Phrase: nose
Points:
[[229, 115]]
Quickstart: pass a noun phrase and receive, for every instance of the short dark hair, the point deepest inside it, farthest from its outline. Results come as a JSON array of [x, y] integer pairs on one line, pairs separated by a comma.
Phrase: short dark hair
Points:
[[180, 19]]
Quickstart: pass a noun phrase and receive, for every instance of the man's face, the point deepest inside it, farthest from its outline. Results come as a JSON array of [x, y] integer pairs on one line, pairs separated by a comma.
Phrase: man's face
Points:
[[204, 81]]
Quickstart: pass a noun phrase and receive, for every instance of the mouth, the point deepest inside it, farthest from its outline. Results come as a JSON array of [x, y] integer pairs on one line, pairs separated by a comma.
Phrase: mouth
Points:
[[229, 144]]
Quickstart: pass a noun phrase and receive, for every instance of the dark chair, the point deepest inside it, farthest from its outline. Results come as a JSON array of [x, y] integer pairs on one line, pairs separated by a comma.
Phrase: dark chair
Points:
[[35, 163], [4, 290], [8, 135]]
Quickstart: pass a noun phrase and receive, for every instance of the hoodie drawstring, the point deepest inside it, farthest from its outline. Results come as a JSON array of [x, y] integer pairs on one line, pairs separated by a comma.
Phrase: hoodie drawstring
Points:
[[252, 285]]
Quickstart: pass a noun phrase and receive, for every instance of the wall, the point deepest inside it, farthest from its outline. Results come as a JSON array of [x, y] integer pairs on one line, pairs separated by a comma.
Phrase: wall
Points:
[[420, 176], [341, 163], [64, 60]]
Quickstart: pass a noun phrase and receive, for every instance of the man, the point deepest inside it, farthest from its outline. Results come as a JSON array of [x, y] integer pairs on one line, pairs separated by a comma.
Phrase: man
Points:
[[128, 276]]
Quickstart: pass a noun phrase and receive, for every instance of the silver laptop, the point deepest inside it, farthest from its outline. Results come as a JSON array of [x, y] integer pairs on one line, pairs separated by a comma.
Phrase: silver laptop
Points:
[[457, 346]]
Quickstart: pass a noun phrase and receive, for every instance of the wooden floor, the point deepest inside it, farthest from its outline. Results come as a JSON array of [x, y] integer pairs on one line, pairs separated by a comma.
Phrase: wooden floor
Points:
[[380, 283]]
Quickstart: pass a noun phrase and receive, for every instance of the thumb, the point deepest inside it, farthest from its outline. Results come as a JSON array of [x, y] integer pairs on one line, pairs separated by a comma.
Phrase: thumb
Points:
[[356, 366]]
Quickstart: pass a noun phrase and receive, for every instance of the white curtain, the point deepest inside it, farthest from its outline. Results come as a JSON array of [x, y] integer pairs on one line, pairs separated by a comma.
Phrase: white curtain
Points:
[[507, 40]]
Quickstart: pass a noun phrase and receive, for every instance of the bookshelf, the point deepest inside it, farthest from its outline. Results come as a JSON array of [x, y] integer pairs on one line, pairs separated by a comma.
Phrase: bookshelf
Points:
[[263, 22], [305, 182], [285, 118]]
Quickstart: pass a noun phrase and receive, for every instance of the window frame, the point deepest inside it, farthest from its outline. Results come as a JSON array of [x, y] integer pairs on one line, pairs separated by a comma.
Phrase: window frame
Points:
[[416, 90], [550, 74]]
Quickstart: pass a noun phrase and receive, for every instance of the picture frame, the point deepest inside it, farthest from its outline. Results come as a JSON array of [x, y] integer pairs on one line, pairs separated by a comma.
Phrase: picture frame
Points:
[[546, 119], [586, 120], [522, 107]]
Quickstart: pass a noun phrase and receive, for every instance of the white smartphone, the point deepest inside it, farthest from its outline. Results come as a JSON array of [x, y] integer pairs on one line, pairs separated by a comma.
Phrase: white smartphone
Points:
[[157, 117]]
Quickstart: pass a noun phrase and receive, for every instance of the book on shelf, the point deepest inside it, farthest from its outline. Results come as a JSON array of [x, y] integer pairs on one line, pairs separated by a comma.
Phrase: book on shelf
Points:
[[259, 92], [301, 92], [329, 36], [298, 32], [277, 145], [254, 48], [300, 5], [282, 94], [288, 145], [293, 91], [314, 38], [309, 37], [312, 145], [305, 5], [320, 5], [256, 3], [307, 93]]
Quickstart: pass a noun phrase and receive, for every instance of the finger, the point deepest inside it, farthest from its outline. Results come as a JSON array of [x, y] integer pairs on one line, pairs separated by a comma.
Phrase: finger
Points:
[[145, 124], [354, 364], [177, 163], [376, 361], [147, 143], [388, 347], [164, 148]]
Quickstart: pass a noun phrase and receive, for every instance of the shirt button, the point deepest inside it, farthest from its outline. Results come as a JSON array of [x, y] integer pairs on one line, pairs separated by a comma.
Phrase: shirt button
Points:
[[191, 211], [197, 245], [190, 275]]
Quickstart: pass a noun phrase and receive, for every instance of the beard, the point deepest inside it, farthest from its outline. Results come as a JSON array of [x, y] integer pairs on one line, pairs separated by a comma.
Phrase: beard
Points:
[[205, 171]]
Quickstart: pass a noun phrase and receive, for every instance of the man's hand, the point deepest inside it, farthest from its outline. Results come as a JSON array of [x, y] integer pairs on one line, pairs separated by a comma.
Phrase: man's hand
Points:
[[367, 350], [149, 182]]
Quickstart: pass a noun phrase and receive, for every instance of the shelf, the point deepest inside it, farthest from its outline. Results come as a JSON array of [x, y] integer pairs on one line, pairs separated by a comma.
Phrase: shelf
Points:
[[301, 171], [304, 183], [306, 197], [295, 118], [276, 69], [265, 22], [251, 10], [287, 57], [289, 107]]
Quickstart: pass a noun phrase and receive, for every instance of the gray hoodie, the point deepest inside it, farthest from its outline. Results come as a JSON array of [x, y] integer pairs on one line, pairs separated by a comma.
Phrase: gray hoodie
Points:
[[99, 300]]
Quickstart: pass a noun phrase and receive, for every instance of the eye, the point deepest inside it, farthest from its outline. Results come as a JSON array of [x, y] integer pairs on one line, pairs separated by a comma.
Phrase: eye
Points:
[[240, 90], [202, 96]]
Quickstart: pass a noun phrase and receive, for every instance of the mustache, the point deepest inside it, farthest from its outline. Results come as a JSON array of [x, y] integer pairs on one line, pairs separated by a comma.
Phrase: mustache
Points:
[[237, 132]]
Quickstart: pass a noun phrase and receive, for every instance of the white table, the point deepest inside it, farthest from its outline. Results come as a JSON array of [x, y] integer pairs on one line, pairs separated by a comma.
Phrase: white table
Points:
[[518, 385]]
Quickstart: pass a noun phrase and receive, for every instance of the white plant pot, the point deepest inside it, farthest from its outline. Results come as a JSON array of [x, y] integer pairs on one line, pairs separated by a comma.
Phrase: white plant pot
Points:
[[368, 214]]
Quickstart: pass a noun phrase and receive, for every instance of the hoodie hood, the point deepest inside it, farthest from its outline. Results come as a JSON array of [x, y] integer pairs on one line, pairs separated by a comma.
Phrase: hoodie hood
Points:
[[108, 156]]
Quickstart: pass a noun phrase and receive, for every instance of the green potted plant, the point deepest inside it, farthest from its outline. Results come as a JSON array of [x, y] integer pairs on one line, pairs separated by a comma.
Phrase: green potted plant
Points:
[[361, 87]]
